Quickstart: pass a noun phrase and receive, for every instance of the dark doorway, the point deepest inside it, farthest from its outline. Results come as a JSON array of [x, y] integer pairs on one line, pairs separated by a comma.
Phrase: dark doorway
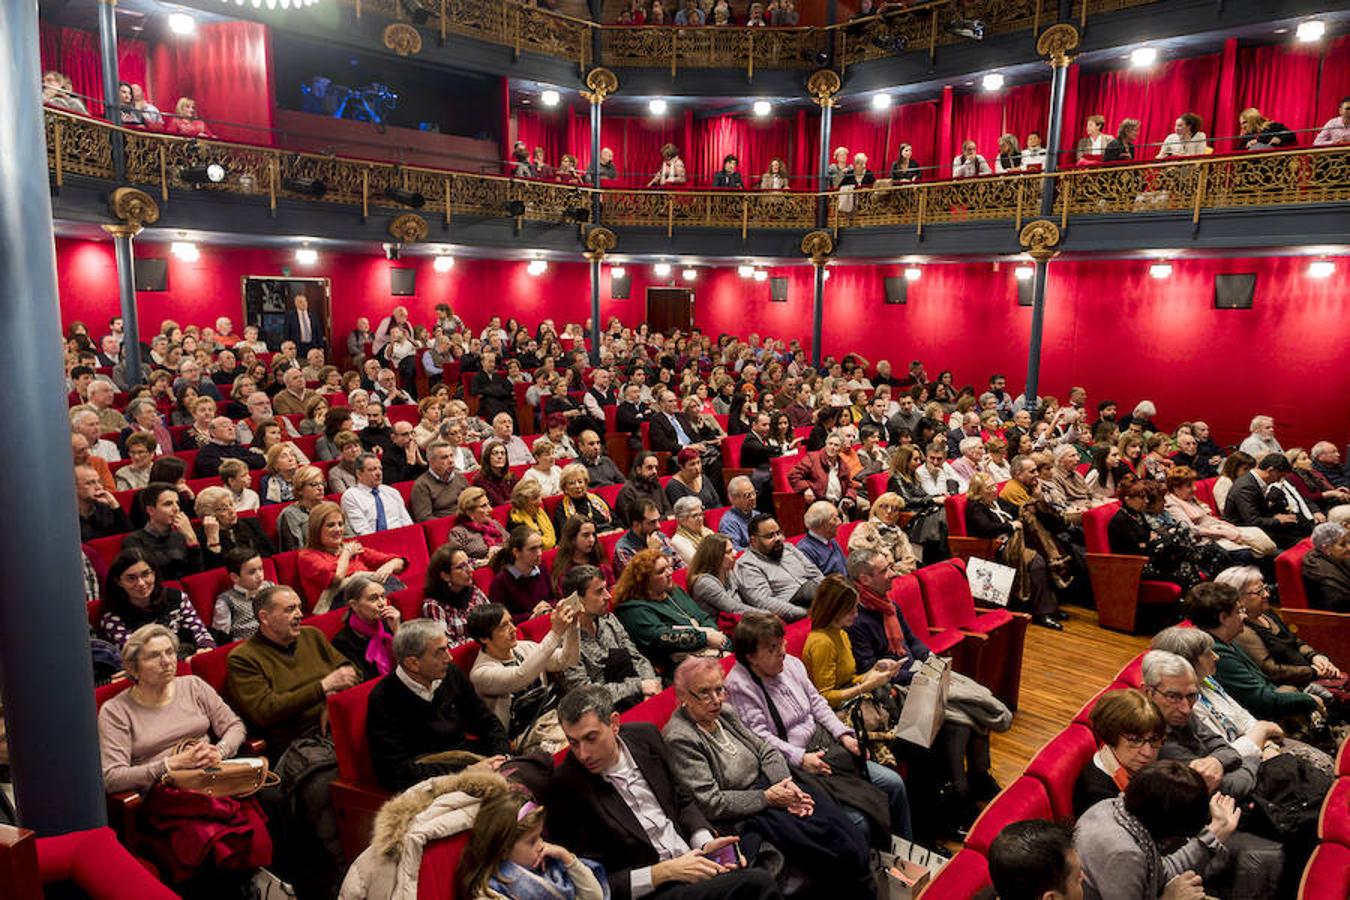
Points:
[[670, 308], [267, 299]]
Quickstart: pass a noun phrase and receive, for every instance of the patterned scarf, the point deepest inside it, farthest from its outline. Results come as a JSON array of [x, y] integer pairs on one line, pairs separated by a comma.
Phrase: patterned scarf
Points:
[[1139, 834], [379, 642]]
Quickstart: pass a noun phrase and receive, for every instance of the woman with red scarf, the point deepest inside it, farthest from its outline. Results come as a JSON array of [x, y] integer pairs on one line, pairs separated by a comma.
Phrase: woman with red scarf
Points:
[[475, 531], [367, 638]]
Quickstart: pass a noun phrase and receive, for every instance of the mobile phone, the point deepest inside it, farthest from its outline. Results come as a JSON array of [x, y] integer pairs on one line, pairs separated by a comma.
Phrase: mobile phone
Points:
[[573, 601], [725, 856]]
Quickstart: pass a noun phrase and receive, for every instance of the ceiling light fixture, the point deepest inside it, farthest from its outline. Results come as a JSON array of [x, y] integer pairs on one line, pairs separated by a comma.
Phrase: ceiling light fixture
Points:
[[913, 273], [182, 23], [656, 106], [761, 275], [443, 264], [618, 273], [763, 108], [689, 274], [1024, 273], [661, 270], [1160, 270], [1311, 30], [306, 256], [992, 82], [1321, 268], [881, 101], [745, 271], [1143, 57], [185, 250], [549, 97], [537, 267]]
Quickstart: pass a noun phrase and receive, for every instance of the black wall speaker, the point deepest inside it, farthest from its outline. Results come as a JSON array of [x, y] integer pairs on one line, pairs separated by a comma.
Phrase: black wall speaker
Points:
[[402, 282], [1026, 291], [619, 287], [151, 274], [1236, 291], [897, 289], [778, 289]]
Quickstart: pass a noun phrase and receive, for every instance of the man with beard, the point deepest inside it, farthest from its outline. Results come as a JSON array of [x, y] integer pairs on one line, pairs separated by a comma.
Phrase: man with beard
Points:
[[774, 575], [644, 483]]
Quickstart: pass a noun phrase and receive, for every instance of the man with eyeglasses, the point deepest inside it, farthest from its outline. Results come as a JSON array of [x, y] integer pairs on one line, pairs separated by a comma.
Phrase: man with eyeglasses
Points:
[[645, 534], [1254, 863], [774, 575]]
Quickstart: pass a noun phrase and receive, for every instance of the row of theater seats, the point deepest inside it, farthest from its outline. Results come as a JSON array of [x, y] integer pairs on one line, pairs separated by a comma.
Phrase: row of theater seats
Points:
[[1328, 631]]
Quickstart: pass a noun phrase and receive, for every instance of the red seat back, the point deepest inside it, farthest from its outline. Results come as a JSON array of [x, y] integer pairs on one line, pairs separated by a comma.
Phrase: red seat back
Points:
[[347, 715], [288, 568], [267, 519], [1204, 492], [878, 484], [1289, 575], [1133, 672], [437, 531], [126, 499], [212, 666], [731, 450], [946, 595], [107, 548], [608, 541], [1094, 527], [402, 412], [1058, 763], [845, 532], [404, 489], [1085, 713], [409, 542], [203, 587], [502, 514], [796, 634], [964, 877], [465, 655], [908, 596], [440, 859], [535, 629], [779, 466], [1025, 798], [656, 709], [956, 515], [609, 493]]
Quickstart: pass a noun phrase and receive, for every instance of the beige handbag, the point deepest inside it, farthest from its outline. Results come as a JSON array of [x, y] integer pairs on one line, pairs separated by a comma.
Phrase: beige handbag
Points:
[[241, 777]]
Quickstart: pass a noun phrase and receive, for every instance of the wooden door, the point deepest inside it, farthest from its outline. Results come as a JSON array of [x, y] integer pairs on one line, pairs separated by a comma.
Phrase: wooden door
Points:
[[669, 309]]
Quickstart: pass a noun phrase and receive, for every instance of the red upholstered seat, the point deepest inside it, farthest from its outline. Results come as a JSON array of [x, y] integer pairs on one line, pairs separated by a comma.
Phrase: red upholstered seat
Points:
[[908, 596], [212, 666], [1025, 798], [402, 412], [551, 504], [464, 655], [125, 499], [796, 636], [845, 531], [609, 493], [877, 484], [288, 568], [1327, 874], [267, 518], [1204, 492], [409, 542], [357, 795], [107, 548], [535, 629], [100, 867], [1058, 763], [203, 588], [437, 532], [713, 517], [1334, 824], [501, 513], [1133, 672], [656, 709], [1289, 575], [962, 878], [440, 859], [959, 542], [1117, 584], [609, 540], [779, 466], [731, 450], [1082, 716], [1343, 760], [482, 576]]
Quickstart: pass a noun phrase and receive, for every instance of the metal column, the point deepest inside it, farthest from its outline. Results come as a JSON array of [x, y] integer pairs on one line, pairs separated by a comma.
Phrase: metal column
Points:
[[595, 160], [107, 50], [823, 183], [817, 314], [45, 665], [1058, 76], [1037, 323], [595, 309], [126, 293]]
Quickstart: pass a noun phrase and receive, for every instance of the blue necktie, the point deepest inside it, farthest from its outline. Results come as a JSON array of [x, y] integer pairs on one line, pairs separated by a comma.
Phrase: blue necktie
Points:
[[381, 523]]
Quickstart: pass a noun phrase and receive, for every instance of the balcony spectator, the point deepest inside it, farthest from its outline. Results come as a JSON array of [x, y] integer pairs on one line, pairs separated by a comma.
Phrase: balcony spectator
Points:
[[1092, 146], [1263, 133], [187, 123], [755, 17], [721, 14], [672, 167], [520, 161], [1186, 138], [690, 14], [776, 178], [858, 175], [634, 14], [783, 12], [126, 108], [1337, 130], [970, 163], [1121, 147], [567, 171], [541, 168], [1034, 153], [1009, 155], [608, 171], [152, 118], [905, 170], [56, 91], [657, 14], [728, 176], [839, 167]]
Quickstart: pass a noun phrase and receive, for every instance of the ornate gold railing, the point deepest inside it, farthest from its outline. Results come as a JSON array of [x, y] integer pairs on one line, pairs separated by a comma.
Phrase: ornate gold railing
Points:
[[80, 146], [712, 48]]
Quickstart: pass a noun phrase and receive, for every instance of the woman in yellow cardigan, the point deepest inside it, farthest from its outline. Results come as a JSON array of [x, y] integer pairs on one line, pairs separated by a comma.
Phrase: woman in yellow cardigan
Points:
[[527, 508], [828, 655]]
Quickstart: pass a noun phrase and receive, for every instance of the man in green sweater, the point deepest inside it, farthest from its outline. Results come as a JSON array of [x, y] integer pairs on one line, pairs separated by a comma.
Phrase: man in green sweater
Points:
[[1215, 608]]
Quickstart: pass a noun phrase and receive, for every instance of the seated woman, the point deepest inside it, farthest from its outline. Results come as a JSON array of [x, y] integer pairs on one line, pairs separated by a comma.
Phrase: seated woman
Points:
[[1234, 467], [431, 413], [186, 122], [608, 655], [140, 450], [690, 530], [164, 724], [544, 471], [507, 856], [1318, 493], [452, 433], [1156, 463], [1218, 712], [222, 529], [986, 518], [450, 593], [1260, 133], [234, 475], [1284, 658], [511, 675], [143, 418], [744, 786], [278, 473], [1129, 729], [336, 420], [905, 170], [928, 527], [995, 462], [134, 595], [882, 532], [495, 476], [579, 545], [773, 694], [1131, 447], [167, 538], [775, 178], [521, 582], [1186, 138], [1326, 568], [1106, 472], [579, 502], [307, 489], [475, 531], [269, 434], [343, 475], [1170, 550], [316, 411], [367, 634], [663, 621], [690, 481], [828, 655], [712, 580], [527, 508], [328, 560], [1182, 505]]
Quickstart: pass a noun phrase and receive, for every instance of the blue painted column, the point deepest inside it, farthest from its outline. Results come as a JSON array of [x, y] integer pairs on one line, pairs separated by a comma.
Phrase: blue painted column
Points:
[[823, 181], [1055, 43], [817, 314], [595, 309], [1037, 324], [126, 294], [44, 636], [107, 51]]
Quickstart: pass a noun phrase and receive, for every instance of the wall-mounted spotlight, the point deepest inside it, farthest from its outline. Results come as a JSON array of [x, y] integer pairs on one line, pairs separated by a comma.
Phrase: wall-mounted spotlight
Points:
[[406, 197], [307, 187], [210, 173]]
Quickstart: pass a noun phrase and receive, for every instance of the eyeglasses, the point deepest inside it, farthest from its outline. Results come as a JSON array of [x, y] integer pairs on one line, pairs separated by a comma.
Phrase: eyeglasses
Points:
[[1262, 591], [707, 694], [1175, 697], [1134, 741]]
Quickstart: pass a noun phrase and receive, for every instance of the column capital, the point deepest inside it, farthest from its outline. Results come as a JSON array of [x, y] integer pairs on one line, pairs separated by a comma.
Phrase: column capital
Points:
[[122, 231], [1058, 43], [599, 241], [823, 85], [602, 82], [134, 208], [409, 228], [818, 246], [402, 38], [1041, 238]]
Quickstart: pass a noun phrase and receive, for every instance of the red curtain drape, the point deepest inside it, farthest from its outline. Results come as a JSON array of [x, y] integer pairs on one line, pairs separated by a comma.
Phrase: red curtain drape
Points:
[[636, 142], [1334, 80], [226, 69], [547, 129], [1279, 80], [1153, 96], [754, 142], [74, 52]]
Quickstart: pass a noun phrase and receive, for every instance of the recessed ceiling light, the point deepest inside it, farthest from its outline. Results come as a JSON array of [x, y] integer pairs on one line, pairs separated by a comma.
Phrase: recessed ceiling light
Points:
[[913, 273], [763, 107], [1160, 270], [656, 107], [1311, 30], [761, 275], [443, 263], [306, 256], [1024, 273], [1143, 57], [881, 101], [537, 267], [1321, 268], [185, 250], [661, 270], [745, 271], [182, 23], [992, 82], [549, 98]]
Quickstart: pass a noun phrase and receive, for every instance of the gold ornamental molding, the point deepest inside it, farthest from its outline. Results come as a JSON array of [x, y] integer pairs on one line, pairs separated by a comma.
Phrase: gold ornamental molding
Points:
[[818, 245], [404, 40], [1058, 43], [823, 85], [135, 208], [599, 241], [1041, 238], [602, 82], [409, 228]]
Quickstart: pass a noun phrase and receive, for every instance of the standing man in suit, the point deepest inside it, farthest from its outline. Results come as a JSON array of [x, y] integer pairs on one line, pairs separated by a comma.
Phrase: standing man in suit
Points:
[[615, 800], [304, 327], [1249, 503], [493, 389]]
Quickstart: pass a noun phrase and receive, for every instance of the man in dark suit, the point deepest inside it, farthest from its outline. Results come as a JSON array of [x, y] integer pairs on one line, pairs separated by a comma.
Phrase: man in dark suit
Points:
[[970, 427], [631, 414], [494, 390], [1249, 503], [614, 799], [303, 327], [755, 453], [671, 430]]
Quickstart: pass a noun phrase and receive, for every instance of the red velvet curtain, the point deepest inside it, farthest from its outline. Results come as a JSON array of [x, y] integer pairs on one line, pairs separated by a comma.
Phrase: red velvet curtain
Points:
[[1335, 80], [636, 142], [879, 134], [1279, 80], [226, 68], [754, 142], [544, 129], [74, 53], [1153, 96]]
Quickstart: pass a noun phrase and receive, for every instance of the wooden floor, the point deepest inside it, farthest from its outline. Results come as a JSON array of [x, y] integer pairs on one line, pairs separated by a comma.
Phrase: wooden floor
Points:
[[1060, 672]]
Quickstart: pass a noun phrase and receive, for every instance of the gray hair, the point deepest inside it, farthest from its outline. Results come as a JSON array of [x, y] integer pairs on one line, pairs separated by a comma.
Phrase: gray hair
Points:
[[355, 586], [1064, 450], [1256, 422], [1145, 407], [1159, 664], [817, 513], [131, 650], [412, 637], [739, 483], [134, 407], [1321, 447], [1018, 461], [860, 561], [593, 698], [1237, 577], [686, 505], [1326, 534], [1188, 643], [969, 443]]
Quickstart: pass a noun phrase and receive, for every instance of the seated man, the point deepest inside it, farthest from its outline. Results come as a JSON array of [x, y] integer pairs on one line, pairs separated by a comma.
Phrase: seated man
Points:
[[621, 774], [101, 396], [503, 429], [599, 468], [168, 540], [85, 420], [405, 462], [435, 493], [1215, 608], [224, 444], [644, 483], [370, 505], [645, 534], [279, 679], [774, 575], [260, 411], [609, 658], [1261, 442], [969, 462], [822, 475], [425, 709], [1326, 459], [819, 544], [1250, 502], [100, 513], [735, 522], [1254, 864], [1035, 860], [1326, 568]]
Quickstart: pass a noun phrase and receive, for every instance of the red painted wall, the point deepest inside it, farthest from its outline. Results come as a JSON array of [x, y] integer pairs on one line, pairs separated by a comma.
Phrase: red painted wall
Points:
[[1108, 325]]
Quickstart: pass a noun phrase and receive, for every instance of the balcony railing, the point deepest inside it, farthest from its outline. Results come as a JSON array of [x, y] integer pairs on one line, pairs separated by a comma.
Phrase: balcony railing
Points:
[[921, 26], [77, 145]]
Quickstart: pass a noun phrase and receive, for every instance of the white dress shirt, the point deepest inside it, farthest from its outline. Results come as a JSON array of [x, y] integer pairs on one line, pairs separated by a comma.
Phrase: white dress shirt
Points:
[[935, 484], [411, 684], [106, 450], [358, 505]]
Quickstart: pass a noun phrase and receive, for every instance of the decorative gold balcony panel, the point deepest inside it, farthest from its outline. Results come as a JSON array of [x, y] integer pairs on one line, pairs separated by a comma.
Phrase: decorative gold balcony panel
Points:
[[711, 48], [504, 22]]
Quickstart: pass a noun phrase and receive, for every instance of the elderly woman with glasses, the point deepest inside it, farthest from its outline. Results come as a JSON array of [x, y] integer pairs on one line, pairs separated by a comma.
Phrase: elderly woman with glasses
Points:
[[1326, 569], [882, 532], [690, 530], [1130, 730], [222, 529], [744, 786], [307, 489]]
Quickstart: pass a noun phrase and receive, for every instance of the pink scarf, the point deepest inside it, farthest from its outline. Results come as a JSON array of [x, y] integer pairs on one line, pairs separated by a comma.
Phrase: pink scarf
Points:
[[379, 642]]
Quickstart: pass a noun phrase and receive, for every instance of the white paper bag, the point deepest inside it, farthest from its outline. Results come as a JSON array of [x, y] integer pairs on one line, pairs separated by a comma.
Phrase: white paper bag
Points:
[[990, 581], [925, 707], [906, 870]]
